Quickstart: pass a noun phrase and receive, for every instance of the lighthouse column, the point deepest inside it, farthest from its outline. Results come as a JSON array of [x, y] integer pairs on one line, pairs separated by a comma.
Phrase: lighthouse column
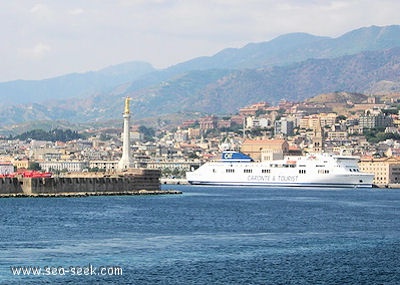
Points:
[[126, 161]]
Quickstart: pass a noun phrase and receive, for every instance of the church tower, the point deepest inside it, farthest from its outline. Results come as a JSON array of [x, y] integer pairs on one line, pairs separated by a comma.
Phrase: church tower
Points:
[[126, 161], [318, 138]]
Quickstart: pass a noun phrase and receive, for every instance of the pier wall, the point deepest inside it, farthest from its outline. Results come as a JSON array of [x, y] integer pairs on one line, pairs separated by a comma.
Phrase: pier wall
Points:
[[10, 186], [134, 181]]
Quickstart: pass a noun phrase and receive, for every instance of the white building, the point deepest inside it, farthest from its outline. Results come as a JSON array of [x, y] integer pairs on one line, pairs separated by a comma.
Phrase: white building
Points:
[[6, 167], [108, 166], [70, 166]]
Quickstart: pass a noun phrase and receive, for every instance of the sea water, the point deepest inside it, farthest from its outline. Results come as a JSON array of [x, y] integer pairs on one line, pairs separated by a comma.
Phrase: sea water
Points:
[[207, 235]]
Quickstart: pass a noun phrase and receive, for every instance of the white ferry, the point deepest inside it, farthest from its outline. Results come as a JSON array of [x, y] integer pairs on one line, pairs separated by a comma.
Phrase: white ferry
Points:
[[312, 170]]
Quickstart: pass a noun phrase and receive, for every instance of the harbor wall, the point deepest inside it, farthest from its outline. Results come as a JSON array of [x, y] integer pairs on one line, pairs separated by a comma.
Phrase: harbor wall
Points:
[[10, 186], [131, 182]]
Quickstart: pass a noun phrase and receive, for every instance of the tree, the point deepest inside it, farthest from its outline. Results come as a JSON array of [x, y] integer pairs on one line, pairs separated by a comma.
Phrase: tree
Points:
[[104, 137], [193, 155], [148, 133], [52, 135], [166, 172], [340, 118], [176, 172], [378, 134], [260, 112], [34, 166], [390, 111]]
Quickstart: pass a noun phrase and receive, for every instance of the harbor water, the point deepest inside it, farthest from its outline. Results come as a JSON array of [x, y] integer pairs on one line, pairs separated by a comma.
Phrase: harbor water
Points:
[[207, 235]]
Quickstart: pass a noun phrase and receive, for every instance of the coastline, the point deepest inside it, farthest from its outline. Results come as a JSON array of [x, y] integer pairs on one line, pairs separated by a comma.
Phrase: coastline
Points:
[[87, 194]]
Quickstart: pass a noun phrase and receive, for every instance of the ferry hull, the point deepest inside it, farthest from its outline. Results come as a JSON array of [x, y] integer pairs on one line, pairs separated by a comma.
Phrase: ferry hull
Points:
[[284, 185], [362, 180], [314, 171]]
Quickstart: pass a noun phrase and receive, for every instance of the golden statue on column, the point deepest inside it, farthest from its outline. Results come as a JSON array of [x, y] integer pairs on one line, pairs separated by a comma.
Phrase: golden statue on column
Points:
[[127, 99]]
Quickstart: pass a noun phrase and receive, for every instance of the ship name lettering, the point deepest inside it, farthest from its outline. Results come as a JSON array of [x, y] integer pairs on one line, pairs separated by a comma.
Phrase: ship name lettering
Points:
[[267, 178], [289, 178], [258, 178]]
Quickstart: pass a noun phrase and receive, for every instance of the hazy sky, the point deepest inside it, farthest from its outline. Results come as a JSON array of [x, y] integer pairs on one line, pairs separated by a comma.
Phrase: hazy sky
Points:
[[42, 39]]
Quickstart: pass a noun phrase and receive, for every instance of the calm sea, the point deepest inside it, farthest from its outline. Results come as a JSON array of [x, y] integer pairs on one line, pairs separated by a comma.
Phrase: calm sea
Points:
[[208, 235]]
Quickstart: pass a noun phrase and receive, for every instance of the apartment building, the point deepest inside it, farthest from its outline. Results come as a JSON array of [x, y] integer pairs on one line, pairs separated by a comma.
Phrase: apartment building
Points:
[[375, 119], [386, 170]]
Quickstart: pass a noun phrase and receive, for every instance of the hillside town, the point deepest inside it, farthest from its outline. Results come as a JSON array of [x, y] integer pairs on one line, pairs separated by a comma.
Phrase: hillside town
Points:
[[368, 129]]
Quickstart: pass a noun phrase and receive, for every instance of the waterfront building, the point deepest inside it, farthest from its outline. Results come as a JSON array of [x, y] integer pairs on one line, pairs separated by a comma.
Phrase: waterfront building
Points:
[[104, 165], [21, 164], [181, 165], [67, 166], [386, 170], [6, 167]]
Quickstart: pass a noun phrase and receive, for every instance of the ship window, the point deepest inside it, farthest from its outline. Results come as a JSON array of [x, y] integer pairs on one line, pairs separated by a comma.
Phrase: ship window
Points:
[[230, 170], [247, 171], [302, 171], [265, 170], [214, 170]]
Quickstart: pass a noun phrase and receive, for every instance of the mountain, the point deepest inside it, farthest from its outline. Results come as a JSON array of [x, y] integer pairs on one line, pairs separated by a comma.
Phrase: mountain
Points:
[[293, 66], [338, 98], [71, 85], [225, 91], [360, 73], [297, 47]]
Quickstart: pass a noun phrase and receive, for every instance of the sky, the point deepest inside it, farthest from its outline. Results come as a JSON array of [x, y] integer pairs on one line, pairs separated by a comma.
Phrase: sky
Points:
[[44, 39]]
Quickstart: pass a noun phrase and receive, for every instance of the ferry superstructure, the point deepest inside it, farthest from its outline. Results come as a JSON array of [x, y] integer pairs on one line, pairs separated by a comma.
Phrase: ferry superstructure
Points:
[[312, 170]]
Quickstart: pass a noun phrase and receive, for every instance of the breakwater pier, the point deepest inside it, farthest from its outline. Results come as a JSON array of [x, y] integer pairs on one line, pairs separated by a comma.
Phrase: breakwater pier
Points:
[[132, 182]]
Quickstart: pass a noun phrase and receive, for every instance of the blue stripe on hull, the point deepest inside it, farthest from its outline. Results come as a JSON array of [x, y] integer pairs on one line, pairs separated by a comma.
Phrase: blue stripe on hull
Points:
[[333, 185]]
